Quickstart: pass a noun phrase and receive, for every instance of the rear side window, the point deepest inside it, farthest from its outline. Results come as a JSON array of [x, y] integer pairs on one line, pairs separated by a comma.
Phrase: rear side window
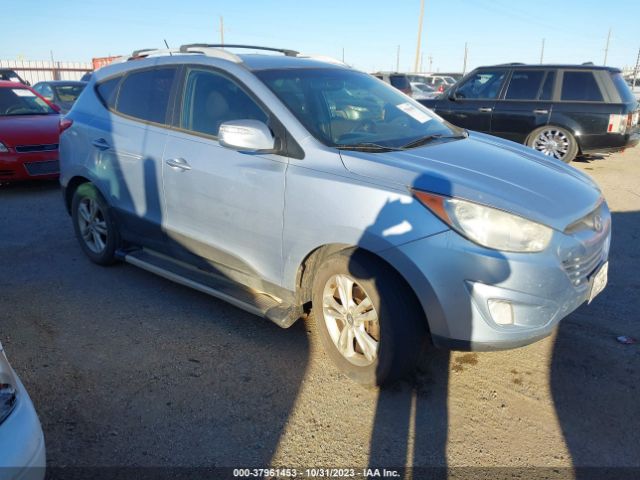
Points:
[[547, 87], [145, 94], [401, 82], [108, 92], [524, 85], [580, 87]]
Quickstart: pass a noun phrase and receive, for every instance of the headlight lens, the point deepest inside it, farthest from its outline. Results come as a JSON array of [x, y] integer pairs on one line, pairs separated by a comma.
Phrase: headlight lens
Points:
[[3, 148], [7, 400], [486, 226]]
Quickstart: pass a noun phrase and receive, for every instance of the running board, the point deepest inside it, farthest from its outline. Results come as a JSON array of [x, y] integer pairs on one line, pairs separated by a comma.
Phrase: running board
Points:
[[258, 303]]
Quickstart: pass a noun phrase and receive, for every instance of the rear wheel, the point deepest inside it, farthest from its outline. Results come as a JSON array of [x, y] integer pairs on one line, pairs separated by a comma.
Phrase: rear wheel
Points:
[[554, 142], [368, 319], [94, 225]]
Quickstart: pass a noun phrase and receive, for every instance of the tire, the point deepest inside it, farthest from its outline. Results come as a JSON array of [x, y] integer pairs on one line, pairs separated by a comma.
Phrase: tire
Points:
[[554, 141], [94, 225], [399, 332]]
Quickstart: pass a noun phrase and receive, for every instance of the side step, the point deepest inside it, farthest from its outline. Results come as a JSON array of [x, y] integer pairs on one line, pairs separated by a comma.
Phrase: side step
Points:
[[258, 303]]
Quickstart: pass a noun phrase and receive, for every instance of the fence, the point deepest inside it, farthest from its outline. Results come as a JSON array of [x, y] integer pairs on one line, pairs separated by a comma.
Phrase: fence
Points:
[[34, 71]]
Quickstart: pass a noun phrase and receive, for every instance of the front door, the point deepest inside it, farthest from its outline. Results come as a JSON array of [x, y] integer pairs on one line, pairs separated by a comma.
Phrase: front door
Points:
[[471, 104], [223, 207]]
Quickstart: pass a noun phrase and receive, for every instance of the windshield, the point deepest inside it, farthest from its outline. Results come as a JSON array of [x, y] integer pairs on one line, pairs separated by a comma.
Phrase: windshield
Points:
[[68, 93], [22, 101], [346, 108]]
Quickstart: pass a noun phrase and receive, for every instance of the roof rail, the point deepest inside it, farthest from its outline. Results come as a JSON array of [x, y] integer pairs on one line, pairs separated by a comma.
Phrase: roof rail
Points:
[[189, 47]]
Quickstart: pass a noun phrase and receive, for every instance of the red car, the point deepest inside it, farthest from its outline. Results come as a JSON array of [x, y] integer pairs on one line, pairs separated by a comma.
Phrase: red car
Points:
[[29, 132]]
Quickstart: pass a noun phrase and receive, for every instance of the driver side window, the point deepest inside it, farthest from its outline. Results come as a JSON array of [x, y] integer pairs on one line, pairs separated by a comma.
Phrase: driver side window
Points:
[[211, 99], [482, 85]]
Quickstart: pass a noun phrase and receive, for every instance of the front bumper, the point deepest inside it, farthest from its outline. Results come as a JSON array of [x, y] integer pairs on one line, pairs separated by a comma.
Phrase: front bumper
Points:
[[22, 448], [454, 280], [29, 166]]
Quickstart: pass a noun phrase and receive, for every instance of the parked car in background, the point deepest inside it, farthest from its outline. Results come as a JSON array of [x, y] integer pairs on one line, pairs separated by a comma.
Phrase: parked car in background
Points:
[[86, 77], [61, 92], [635, 88], [395, 227], [11, 76], [560, 110], [455, 76], [397, 80], [422, 91], [439, 82], [29, 131], [22, 448]]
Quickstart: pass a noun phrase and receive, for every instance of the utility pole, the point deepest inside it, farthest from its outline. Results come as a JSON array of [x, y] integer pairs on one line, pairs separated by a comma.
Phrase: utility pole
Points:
[[421, 62], [542, 52], [221, 30], [606, 49], [430, 64], [342, 54], [398, 59], [415, 66], [464, 64], [635, 70]]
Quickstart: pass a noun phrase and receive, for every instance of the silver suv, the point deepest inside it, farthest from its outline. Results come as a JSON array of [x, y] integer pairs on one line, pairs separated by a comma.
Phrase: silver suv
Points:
[[282, 183]]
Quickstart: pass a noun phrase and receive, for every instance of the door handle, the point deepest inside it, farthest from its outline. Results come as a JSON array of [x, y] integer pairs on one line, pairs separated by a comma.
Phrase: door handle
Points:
[[541, 112], [485, 109], [100, 144], [178, 164]]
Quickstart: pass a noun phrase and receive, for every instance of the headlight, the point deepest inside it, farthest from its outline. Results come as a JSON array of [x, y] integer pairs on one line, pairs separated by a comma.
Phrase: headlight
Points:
[[486, 226], [7, 400], [3, 148]]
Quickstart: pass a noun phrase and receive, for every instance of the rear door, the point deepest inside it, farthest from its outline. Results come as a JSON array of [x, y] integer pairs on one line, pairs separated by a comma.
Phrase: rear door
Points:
[[127, 145], [525, 105], [222, 205], [472, 102]]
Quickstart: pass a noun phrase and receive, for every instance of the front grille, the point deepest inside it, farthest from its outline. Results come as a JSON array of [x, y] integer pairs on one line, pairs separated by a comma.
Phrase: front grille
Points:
[[43, 168], [579, 268], [51, 147]]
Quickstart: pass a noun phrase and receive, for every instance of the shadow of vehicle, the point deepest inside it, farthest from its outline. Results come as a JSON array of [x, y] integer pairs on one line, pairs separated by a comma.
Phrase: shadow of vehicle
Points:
[[594, 379]]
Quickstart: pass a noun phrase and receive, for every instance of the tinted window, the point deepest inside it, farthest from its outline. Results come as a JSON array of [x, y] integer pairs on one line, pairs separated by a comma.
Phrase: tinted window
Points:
[[547, 87], [401, 82], [623, 89], [524, 85], [211, 99], [482, 85], [68, 93], [145, 94], [581, 87], [108, 92]]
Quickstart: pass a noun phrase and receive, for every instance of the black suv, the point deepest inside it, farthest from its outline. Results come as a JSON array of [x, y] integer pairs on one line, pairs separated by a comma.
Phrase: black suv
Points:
[[560, 110], [11, 76]]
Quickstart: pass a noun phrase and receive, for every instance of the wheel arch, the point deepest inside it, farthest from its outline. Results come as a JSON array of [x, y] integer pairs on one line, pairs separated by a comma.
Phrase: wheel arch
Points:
[[308, 267], [71, 188]]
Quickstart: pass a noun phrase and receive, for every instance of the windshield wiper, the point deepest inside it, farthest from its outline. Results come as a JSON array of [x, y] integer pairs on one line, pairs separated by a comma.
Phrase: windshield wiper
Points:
[[436, 136], [368, 146]]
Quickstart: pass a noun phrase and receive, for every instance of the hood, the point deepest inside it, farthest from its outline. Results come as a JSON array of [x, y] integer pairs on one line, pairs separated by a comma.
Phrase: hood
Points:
[[490, 171], [29, 129]]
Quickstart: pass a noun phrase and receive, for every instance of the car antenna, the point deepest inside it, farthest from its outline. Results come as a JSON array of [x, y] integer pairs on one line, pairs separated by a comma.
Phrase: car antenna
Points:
[[167, 45]]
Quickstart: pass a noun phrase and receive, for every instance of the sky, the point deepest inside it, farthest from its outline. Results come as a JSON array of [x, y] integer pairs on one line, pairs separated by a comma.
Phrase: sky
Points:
[[369, 31]]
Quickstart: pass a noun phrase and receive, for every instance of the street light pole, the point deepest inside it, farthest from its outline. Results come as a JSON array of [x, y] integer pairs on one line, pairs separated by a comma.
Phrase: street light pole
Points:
[[415, 66]]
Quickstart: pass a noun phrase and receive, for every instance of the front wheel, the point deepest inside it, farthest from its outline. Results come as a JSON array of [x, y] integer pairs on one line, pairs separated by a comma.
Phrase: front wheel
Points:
[[94, 225], [368, 319], [554, 142]]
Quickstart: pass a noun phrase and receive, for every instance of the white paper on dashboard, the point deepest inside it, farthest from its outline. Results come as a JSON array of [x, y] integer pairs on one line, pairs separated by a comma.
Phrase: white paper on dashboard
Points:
[[23, 92], [414, 112]]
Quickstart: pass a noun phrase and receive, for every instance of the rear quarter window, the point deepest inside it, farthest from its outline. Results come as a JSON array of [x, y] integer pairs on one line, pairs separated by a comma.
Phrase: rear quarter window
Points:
[[108, 92], [580, 87], [623, 88]]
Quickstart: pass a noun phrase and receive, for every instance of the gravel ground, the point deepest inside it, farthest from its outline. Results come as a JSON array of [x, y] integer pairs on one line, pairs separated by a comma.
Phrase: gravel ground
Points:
[[128, 369]]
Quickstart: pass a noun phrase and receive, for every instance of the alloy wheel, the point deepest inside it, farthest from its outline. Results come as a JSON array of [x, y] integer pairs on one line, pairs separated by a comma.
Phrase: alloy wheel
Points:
[[93, 226], [553, 143], [351, 320]]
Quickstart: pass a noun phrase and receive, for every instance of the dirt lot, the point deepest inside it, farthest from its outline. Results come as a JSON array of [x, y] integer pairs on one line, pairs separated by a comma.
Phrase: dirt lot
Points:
[[128, 369]]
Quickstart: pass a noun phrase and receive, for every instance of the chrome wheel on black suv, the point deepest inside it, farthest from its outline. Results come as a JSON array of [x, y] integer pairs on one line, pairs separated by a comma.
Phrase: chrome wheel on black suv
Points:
[[554, 142]]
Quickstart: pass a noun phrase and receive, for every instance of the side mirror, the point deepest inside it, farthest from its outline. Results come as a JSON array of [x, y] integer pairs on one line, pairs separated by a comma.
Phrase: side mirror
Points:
[[246, 136], [452, 95]]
